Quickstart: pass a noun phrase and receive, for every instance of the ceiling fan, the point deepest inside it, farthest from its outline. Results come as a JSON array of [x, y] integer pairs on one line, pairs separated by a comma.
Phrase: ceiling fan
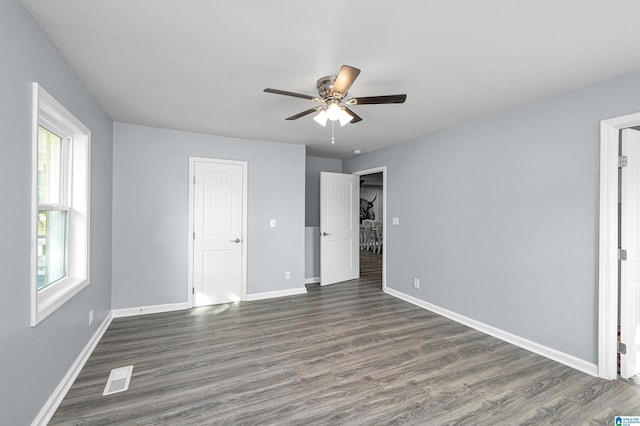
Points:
[[332, 91]]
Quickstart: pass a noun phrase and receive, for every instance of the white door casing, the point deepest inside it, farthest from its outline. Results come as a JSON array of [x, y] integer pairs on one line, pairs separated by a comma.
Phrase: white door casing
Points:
[[630, 268], [607, 367], [339, 227], [218, 200]]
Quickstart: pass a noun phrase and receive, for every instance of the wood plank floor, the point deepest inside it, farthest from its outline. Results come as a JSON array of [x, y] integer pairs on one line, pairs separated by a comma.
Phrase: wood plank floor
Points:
[[345, 354]]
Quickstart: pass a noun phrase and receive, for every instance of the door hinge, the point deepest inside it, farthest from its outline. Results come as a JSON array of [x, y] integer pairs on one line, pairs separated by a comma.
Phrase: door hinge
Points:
[[194, 180], [622, 254], [193, 290], [194, 235], [622, 348], [622, 161]]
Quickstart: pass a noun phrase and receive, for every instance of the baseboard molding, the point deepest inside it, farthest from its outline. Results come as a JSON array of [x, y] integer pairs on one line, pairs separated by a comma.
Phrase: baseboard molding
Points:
[[279, 293], [312, 280], [545, 351], [52, 404], [152, 309]]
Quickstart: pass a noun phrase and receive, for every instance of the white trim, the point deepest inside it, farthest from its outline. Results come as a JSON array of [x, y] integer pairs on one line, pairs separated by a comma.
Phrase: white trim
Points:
[[274, 294], [312, 280], [52, 404], [51, 298], [545, 351], [33, 216], [190, 226], [47, 111], [151, 309], [608, 245], [385, 193], [245, 166]]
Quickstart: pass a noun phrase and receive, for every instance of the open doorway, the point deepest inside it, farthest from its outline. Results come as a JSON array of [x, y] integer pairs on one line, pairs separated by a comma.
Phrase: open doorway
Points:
[[373, 219], [619, 281], [629, 258]]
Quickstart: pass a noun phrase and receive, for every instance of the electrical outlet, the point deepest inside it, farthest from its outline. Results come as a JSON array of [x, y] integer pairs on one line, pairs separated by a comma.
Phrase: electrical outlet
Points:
[[91, 317], [272, 223], [416, 283], [287, 275]]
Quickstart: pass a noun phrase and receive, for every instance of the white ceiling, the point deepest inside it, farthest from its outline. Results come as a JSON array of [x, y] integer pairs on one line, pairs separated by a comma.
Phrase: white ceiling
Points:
[[201, 65]]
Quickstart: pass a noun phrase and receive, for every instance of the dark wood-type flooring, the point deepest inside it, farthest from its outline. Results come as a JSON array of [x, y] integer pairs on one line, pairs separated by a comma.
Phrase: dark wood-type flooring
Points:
[[345, 354]]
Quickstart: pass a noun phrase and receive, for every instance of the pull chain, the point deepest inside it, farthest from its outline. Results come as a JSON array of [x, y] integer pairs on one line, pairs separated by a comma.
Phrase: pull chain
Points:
[[333, 138]]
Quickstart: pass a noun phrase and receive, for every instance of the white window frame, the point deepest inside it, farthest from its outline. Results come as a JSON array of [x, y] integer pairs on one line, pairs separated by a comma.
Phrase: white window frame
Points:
[[49, 113]]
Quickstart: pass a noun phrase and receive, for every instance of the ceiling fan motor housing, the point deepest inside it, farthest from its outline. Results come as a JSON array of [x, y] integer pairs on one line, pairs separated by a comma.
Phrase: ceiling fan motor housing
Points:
[[325, 86]]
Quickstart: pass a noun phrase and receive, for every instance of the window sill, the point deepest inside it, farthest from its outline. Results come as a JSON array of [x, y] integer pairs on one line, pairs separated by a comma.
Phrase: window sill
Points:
[[51, 298]]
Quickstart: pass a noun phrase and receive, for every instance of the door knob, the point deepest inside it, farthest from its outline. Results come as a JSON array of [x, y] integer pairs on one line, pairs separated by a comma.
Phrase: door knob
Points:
[[237, 240], [324, 234]]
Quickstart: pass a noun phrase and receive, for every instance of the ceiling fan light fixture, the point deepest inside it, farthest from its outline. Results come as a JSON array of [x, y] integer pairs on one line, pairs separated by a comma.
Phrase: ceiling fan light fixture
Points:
[[345, 117], [321, 118], [334, 111]]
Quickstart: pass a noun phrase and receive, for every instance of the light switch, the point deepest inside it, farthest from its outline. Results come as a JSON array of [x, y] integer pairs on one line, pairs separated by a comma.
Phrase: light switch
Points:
[[272, 223], [395, 221]]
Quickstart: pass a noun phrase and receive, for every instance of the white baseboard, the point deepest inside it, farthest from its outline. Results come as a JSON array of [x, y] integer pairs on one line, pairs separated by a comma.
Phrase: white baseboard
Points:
[[312, 280], [52, 404], [279, 293], [152, 309], [545, 351]]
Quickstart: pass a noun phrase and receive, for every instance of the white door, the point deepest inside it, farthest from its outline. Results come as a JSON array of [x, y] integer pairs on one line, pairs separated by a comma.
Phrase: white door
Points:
[[339, 227], [218, 210], [630, 268]]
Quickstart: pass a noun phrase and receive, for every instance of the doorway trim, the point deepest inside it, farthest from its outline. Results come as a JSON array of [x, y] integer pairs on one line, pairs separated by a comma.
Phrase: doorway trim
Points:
[[608, 244], [383, 170], [190, 234]]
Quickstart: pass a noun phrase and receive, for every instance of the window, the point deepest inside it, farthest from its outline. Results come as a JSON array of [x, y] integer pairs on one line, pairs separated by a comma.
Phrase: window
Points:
[[53, 208], [60, 198]]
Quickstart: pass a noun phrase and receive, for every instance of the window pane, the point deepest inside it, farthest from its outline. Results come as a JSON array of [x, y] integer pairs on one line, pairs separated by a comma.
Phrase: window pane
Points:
[[49, 167], [52, 246]]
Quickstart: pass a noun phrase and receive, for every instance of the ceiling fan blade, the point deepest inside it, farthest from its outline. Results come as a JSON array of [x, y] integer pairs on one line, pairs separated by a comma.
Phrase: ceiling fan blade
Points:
[[368, 100], [284, 92], [303, 113], [344, 80], [355, 116]]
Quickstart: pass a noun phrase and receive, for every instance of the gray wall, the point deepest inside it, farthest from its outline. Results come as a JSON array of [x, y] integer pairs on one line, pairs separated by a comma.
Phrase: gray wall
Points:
[[150, 209], [315, 165], [312, 252], [499, 217], [33, 361]]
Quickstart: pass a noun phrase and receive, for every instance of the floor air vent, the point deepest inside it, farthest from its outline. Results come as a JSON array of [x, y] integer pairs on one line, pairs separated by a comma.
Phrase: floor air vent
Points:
[[118, 380]]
